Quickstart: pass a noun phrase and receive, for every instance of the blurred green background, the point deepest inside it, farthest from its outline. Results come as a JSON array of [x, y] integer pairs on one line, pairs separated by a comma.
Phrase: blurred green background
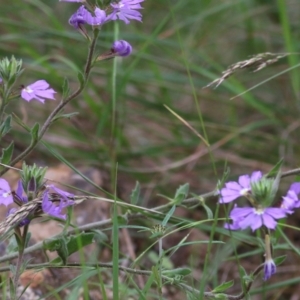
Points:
[[179, 48]]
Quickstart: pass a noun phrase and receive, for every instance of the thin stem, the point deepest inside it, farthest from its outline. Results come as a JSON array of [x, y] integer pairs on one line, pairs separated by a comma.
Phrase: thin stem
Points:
[[160, 258], [21, 241]]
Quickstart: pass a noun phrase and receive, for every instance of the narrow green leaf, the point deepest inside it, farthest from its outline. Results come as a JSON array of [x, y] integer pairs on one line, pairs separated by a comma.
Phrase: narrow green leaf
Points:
[[7, 154], [168, 215], [274, 171], [65, 116], [208, 211], [5, 127], [178, 271], [223, 287], [86, 238], [35, 132], [135, 194], [65, 89], [279, 260], [181, 193]]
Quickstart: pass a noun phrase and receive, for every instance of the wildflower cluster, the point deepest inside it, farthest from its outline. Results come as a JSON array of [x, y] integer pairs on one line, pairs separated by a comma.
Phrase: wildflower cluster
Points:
[[54, 200], [260, 192]]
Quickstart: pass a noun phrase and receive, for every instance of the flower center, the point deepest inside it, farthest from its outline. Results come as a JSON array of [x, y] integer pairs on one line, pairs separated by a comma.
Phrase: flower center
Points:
[[259, 210], [4, 195], [28, 90]]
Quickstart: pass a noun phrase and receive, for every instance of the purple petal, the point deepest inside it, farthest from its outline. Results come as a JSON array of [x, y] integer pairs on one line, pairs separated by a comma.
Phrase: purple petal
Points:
[[255, 176], [98, 19], [240, 212], [268, 221], [20, 192], [6, 197], [233, 226], [269, 269], [252, 220], [295, 187], [230, 192], [244, 181], [275, 212], [39, 85], [51, 209]]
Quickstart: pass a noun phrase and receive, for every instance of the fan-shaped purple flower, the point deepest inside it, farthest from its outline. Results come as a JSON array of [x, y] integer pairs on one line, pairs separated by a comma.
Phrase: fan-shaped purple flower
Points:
[[38, 90], [126, 10], [243, 217], [234, 190]]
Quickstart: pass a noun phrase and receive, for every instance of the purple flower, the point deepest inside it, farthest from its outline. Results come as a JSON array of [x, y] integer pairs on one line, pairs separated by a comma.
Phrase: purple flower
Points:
[[6, 197], [53, 210], [233, 190], [121, 48], [269, 268], [38, 90], [244, 217], [20, 192], [126, 10], [65, 195], [291, 200], [83, 16]]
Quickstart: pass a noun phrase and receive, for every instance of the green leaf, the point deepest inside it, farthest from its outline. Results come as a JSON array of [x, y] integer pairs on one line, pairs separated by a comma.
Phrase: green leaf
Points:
[[122, 220], [274, 171], [208, 211], [79, 241], [65, 89], [168, 215], [221, 296], [181, 193], [67, 246], [62, 251], [7, 154], [52, 245], [223, 287], [35, 132], [178, 271], [59, 245], [279, 260], [156, 275], [135, 194], [65, 116], [5, 127], [99, 236]]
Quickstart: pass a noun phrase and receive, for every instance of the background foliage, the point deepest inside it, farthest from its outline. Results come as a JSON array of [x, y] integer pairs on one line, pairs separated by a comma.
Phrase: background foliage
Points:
[[178, 49]]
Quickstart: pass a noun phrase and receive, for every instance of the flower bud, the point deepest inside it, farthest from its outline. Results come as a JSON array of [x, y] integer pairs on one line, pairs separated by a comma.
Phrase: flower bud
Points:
[[121, 48]]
